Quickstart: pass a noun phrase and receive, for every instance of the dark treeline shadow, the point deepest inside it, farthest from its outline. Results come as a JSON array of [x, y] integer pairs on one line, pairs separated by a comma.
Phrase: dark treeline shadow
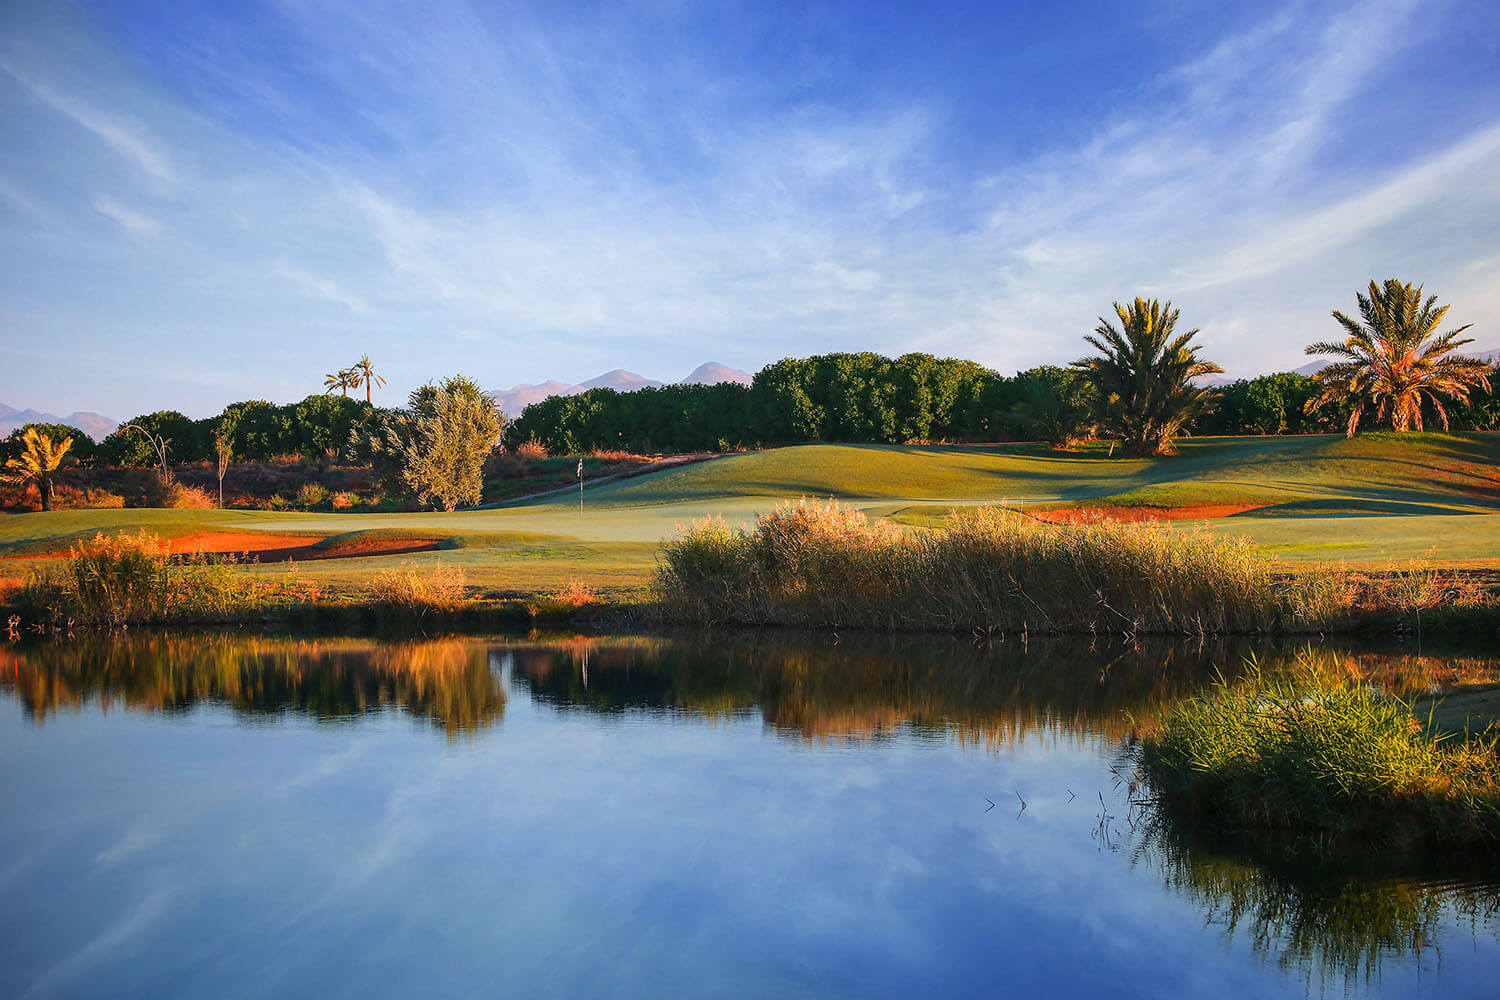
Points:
[[445, 681], [1336, 917]]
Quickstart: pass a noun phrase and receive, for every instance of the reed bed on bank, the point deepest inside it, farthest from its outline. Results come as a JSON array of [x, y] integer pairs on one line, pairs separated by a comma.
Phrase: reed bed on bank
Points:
[[418, 590], [989, 568], [124, 579], [1332, 757]]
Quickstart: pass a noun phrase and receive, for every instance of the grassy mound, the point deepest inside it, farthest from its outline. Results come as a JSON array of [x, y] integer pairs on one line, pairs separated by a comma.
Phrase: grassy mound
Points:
[[1334, 759], [1433, 471]]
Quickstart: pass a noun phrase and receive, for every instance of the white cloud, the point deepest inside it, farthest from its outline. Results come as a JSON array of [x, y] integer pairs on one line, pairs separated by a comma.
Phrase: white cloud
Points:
[[134, 222], [127, 138]]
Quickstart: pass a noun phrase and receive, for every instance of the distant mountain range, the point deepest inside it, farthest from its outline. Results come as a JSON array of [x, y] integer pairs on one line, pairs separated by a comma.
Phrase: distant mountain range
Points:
[[513, 401], [1313, 367], [95, 425]]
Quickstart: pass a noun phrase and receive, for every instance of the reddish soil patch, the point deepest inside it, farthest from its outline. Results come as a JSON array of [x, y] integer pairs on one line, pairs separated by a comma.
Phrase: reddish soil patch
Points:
[[237, 541], [1085, 515], [265, 548], [298, 548]]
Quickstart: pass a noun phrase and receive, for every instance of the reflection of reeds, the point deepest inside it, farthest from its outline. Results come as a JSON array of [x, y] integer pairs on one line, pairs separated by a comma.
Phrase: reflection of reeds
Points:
[[864, 686], [445, 680], [1336, 918]]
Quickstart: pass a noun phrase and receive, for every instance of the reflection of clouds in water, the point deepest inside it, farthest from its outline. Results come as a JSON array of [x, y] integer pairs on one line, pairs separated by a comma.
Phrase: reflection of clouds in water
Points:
[[146, 913], [133, 842], [325, 768]]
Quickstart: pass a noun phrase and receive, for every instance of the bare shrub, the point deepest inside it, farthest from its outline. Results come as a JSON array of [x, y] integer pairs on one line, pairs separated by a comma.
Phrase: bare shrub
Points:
[[182, 497]]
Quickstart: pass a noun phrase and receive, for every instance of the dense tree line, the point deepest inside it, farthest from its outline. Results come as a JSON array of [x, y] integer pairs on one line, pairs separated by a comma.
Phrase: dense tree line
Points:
[[313, 430], [916, 397], [834, 397], [830, 397]]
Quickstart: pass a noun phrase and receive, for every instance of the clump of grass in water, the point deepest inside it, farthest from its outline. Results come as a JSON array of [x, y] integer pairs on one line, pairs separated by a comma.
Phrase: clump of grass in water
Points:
[[1333, 758], [989, 568], [127, 579]]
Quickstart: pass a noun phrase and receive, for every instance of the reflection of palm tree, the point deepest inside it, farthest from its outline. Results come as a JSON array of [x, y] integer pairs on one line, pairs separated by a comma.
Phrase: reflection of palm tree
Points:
[[1396, 360], [364, 374]]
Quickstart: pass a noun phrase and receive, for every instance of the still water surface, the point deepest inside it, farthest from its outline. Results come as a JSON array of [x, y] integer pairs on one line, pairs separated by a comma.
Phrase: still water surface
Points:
[[761, 815]]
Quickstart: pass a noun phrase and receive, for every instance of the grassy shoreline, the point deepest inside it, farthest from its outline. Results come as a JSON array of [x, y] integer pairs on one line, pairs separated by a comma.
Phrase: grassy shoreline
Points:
[[1327, 759]]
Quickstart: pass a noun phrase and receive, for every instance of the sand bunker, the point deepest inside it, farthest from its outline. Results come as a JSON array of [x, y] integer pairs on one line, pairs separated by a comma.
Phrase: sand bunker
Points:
[[1086, 515]]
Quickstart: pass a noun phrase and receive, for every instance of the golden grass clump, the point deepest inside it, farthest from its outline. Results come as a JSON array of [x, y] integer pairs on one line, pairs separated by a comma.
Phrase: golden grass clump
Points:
[[183, 497], [989, 568], [531, 451], [419, 590], [563, 603]]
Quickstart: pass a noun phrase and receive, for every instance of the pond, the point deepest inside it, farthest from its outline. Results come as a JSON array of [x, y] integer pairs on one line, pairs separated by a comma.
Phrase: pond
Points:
[[773, 814]]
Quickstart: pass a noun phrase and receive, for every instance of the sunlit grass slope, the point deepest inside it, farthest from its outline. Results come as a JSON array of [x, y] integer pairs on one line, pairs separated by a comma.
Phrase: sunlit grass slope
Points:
[[1423, 471]]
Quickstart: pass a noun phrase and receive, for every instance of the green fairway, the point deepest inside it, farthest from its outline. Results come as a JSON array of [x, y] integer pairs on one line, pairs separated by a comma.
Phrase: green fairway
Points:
[[1371, 499]]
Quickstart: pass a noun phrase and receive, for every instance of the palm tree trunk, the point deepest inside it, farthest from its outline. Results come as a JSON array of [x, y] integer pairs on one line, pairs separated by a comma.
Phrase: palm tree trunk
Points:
[[44, 486]]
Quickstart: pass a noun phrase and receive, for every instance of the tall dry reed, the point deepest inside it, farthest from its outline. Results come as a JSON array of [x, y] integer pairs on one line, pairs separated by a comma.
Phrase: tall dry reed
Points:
[[989, 568]]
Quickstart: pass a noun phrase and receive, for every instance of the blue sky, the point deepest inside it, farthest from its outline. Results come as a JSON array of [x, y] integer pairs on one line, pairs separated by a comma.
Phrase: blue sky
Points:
[[203, 203]]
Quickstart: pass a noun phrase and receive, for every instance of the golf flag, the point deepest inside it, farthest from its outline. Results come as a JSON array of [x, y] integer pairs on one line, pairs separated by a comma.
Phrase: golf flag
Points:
[[580, 470]]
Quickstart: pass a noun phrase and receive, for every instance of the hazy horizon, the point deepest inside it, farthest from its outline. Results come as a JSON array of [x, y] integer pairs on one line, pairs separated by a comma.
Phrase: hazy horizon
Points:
[[202, 206]]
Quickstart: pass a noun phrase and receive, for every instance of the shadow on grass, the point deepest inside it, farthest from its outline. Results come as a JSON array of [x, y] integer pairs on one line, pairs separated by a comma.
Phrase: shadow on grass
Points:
[[1349, 507]]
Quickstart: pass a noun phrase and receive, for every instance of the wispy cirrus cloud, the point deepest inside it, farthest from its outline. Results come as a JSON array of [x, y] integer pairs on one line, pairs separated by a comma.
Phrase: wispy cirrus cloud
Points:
[[533, 193]]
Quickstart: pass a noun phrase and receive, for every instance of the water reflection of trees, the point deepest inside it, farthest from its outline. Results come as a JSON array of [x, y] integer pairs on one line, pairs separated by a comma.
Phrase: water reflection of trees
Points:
[[447, 681], [1336, 918], [820, 686]]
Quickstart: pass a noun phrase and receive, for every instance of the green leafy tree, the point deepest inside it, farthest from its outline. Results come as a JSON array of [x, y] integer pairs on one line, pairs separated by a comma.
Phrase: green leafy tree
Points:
[[260, 430], [1395, 361], [320, 425], [455, 425], [185, 439], [1143, 376], [41, 456], [1054, 405], [379, 441]]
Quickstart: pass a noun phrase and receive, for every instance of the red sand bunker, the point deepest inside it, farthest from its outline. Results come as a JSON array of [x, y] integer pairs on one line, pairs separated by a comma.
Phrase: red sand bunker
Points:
[[1085, 515], [280, 548]]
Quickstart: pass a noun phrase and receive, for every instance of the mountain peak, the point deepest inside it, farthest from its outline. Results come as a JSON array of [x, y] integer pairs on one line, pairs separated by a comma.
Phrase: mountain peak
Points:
[[712, 373]]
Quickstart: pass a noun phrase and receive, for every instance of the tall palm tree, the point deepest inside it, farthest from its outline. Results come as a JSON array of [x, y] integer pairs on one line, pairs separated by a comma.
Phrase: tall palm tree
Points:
[[343, 380], [1143, 376], [1395, 360], [364, 374], [39, 459]]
